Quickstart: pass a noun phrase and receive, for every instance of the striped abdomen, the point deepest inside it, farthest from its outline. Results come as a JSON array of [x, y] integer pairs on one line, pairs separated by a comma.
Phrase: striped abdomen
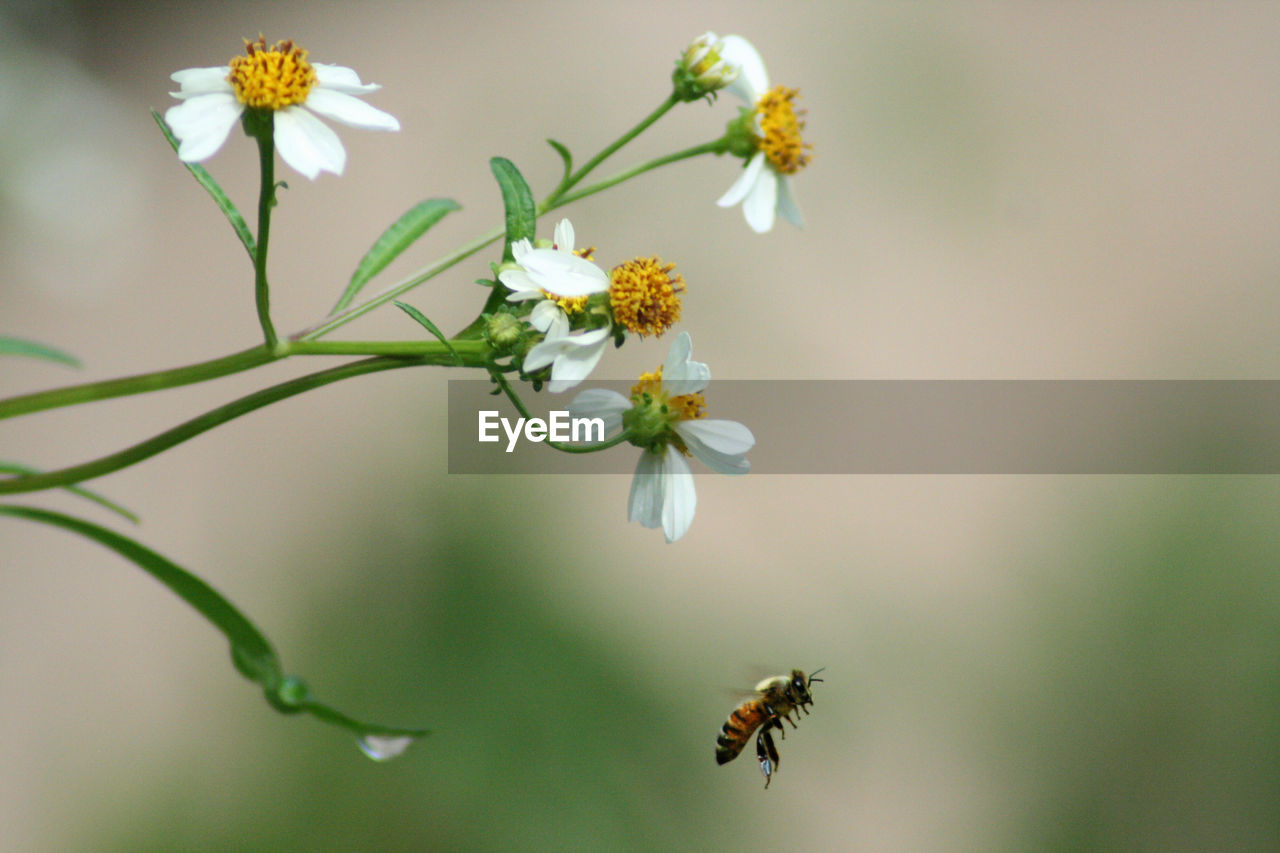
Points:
[[736, 731]]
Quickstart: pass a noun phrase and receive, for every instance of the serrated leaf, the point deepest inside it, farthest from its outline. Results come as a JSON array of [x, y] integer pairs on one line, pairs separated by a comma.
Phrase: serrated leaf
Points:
[[27, 471], [398, 237], [566, 157], [251, 652], [518, 202], [220, 198], [429, 326], [34, 349]]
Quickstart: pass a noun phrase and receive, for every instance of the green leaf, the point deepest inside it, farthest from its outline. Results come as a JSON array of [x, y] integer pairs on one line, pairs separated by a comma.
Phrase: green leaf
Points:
[[220, 198], [17, 346], [409, 227], [566, 157], [518, 201], [429, 326], [251, 651], [27, 471]]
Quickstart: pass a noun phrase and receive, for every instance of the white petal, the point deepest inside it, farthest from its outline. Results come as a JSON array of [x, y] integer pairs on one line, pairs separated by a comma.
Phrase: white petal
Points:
[[202, 123], [307, 144], [543, 353], [564, 235], [521, 285], [563, 273], [549, 318], [753, 80], [720, 445], [644, 504], [787, 202], [679, 499], [349, 110], [746, 182], [680, 373], [201, 81], [342, 79], [601, 403], [761, 205], [520, 248], [575, 365]]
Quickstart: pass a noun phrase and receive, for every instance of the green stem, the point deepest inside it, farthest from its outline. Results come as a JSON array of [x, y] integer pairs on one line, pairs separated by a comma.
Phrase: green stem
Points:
[[715, 147], [206, 422], [264, 132], [550, 202], [139, 384], [474, 353], [398, 289]]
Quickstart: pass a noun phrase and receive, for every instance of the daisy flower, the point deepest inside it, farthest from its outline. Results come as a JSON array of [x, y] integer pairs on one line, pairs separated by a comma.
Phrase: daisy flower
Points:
[[550, 272], [666, 415], [764, 188], [561, 280], [281, 81]]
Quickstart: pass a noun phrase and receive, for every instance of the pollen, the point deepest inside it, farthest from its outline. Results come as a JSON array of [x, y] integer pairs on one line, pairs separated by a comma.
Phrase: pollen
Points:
[[683, 407], [271, 78], [569, 304], [781, 125], [644, 295]]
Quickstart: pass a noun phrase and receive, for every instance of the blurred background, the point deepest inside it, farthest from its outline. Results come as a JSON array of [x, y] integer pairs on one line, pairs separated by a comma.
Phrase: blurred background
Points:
[[1003, 190]]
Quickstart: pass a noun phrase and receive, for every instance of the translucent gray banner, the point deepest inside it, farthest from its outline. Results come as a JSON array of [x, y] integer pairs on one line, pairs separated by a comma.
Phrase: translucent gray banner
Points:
[[930, 427]]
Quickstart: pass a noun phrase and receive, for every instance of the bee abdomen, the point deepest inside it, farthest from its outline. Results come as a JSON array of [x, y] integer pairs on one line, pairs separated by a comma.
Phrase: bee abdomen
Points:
[[735, 732]]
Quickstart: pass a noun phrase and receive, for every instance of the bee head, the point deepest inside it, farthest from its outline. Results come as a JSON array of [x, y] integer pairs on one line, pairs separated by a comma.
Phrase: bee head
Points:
[[800, 683]]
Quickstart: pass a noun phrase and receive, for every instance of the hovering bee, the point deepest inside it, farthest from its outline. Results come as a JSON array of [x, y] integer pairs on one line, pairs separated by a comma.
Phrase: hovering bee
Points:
[[776, 697]]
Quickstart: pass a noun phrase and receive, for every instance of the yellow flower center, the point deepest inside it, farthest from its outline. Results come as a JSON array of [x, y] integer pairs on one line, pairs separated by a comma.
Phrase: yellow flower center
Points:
[[663, 407], [781, 125], [683, 407], [271, 78], [644, 295], [569, 304]]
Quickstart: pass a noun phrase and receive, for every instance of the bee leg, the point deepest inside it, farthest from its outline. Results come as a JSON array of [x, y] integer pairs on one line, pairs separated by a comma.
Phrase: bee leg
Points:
[[767, 755]]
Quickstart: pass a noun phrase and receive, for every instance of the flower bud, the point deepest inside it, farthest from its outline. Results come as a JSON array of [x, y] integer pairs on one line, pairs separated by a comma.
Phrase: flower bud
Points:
[[503, 331], [702, 70]]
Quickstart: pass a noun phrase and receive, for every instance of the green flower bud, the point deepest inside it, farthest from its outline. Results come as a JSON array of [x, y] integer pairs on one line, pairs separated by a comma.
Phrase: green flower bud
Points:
[[702, 70]]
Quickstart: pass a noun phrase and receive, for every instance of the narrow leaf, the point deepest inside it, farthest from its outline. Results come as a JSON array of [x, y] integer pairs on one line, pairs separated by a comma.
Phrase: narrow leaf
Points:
[[32, 349], [566, 157], [429, 326], [409, 227], [518, 201], [220, 198], [27, 471], [248, 643], [251, 651]]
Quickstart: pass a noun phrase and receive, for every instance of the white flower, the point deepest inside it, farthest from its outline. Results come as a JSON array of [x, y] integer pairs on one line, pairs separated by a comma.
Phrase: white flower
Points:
[[279, 79], [662, 493], [553, 275], [764, 187], [553, 270]]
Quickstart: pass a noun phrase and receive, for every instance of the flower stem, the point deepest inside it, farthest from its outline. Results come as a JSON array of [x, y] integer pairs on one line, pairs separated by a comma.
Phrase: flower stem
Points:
[[262, 128], [400, 288], [715, 147], [207, 421], [552, 201], [139, 384]]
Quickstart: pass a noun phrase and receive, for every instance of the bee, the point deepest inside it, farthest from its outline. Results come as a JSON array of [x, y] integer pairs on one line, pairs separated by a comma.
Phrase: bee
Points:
[[776, 697]]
